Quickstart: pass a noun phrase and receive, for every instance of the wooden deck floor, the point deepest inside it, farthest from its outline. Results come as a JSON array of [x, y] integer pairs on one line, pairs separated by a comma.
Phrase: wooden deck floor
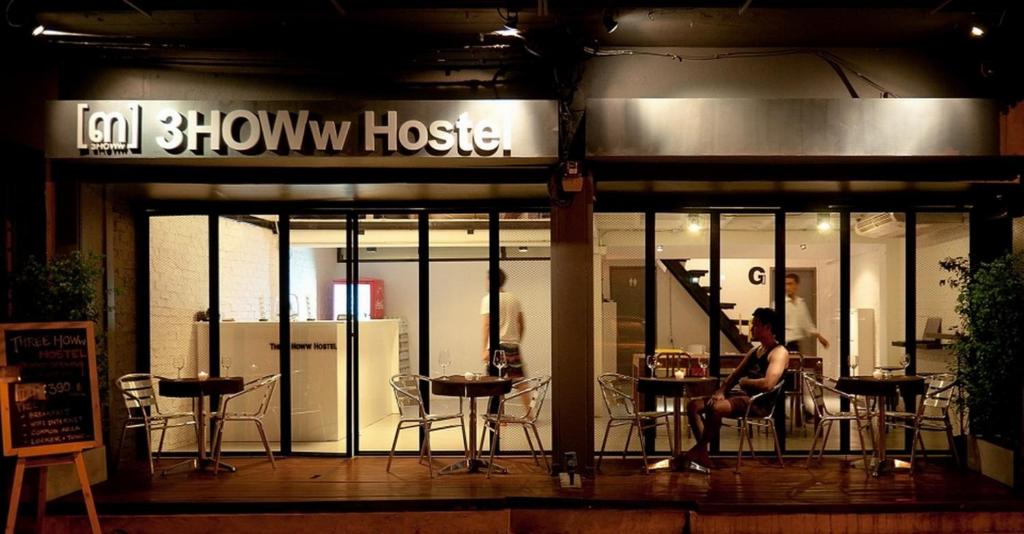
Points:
[[621, 495]]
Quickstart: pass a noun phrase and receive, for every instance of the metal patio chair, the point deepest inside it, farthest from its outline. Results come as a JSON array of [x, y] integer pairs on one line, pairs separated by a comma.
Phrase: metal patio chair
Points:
[[932, 415], [746, 422], [264, 388], [817, 386], [618, 394], [534, 389], [140, 400], [412, 414]]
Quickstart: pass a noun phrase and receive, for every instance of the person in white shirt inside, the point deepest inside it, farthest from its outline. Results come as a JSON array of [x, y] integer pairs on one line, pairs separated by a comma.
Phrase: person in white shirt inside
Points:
[[510, 327], [799, 324]]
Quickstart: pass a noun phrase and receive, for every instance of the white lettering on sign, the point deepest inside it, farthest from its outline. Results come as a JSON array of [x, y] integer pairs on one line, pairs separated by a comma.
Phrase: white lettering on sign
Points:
[[412, 135], [257, 131], [109, 132]]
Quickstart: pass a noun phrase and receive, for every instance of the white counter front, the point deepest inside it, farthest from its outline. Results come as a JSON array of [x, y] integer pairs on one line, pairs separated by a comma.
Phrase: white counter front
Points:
[[319, 373]]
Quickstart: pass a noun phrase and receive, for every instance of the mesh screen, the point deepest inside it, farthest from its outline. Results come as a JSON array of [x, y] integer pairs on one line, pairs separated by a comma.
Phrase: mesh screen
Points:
[[812, 254], [179, 285]]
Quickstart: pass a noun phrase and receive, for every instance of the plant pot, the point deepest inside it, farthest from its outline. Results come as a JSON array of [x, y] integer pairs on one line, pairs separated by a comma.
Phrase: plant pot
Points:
[[991, 460]]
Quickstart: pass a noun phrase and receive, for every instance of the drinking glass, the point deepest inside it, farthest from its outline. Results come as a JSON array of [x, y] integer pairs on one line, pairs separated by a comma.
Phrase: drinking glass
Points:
[[444, 359], [652, 362], [905, 362], [703, 360], [500, 361], [853, 365], [179, 362], [226, 364]]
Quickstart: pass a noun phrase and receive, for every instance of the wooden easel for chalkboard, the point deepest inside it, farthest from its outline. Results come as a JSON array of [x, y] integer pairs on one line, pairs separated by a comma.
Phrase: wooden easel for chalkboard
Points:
[[42, 463], [51, 413]]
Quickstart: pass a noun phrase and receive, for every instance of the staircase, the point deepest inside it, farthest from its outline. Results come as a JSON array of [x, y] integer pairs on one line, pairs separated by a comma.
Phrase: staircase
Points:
[[690, 281]]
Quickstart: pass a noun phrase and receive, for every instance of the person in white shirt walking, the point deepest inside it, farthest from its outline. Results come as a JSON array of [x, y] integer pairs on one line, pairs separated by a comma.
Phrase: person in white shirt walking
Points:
[[510, 328], [799, 324]]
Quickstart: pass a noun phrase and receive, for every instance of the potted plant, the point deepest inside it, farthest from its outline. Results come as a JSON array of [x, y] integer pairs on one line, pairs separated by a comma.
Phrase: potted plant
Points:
[[989, 354], [66, 289]]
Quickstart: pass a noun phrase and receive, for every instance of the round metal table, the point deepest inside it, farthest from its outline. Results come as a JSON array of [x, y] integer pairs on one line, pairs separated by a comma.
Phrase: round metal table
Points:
[[677, 388], [460, 386], [882, 389], [197, 390]]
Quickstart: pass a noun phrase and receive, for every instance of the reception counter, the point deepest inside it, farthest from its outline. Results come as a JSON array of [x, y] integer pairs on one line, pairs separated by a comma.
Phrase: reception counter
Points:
[[319, 373]]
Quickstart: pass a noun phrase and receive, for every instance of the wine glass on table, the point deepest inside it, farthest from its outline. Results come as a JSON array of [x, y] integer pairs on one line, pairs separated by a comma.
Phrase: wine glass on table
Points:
[[444, 359], [652, 362], [703, 360], [226, 364], [853, 365], [179, 363], [905, 362], [501, 362]]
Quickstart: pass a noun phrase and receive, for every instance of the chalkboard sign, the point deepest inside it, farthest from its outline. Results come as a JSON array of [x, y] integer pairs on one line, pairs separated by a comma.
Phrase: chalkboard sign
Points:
[[55, 407]]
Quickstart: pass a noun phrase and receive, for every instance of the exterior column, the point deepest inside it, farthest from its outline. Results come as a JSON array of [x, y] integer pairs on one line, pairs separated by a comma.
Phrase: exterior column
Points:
[[572, 328]]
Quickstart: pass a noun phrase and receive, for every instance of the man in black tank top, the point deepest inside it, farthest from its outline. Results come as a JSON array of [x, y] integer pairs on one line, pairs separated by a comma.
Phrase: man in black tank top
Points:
[[760, 370]]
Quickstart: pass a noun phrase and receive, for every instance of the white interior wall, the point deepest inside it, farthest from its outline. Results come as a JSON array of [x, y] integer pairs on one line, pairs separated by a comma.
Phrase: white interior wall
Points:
[[401, 297], [248, 270], [179, 287], [935, 299], [302, 281]]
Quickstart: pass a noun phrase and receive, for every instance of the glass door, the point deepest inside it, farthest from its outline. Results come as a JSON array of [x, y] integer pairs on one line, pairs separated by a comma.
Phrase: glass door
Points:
[[318, 330]]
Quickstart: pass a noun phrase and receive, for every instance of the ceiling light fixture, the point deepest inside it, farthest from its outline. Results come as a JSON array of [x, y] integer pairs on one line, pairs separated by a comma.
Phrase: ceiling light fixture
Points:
[[694, 225], [524, 248], [38, 30], [660, 248], [824, 222], [609, 20], [977, 31]]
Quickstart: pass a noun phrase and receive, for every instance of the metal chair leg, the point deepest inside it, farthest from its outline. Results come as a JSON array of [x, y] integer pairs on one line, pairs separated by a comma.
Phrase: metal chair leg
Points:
[[778, 447], [604, 442], [629, 437], [149, 449], [643, 446], [814, 443], [952, 442], [120, 445], [739, 454], [540, 446], [218, 437], [163, 432], [266, 444], [494, 441], [529, 442], [426, 444], [394, 443], [824, 440]]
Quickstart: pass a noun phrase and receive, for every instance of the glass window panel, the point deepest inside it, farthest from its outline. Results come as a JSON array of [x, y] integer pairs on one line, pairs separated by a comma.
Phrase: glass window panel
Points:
[[319, 360], [748, 261], [458, 252], [619, 310], [877, 295], [525, 241], [939, 236], [248, 260], [812, 254], [682, 251], [179, 288], [388, 325]]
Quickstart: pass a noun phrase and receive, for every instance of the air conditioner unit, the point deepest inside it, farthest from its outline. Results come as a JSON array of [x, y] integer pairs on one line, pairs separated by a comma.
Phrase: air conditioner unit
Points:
[[877, 225]]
